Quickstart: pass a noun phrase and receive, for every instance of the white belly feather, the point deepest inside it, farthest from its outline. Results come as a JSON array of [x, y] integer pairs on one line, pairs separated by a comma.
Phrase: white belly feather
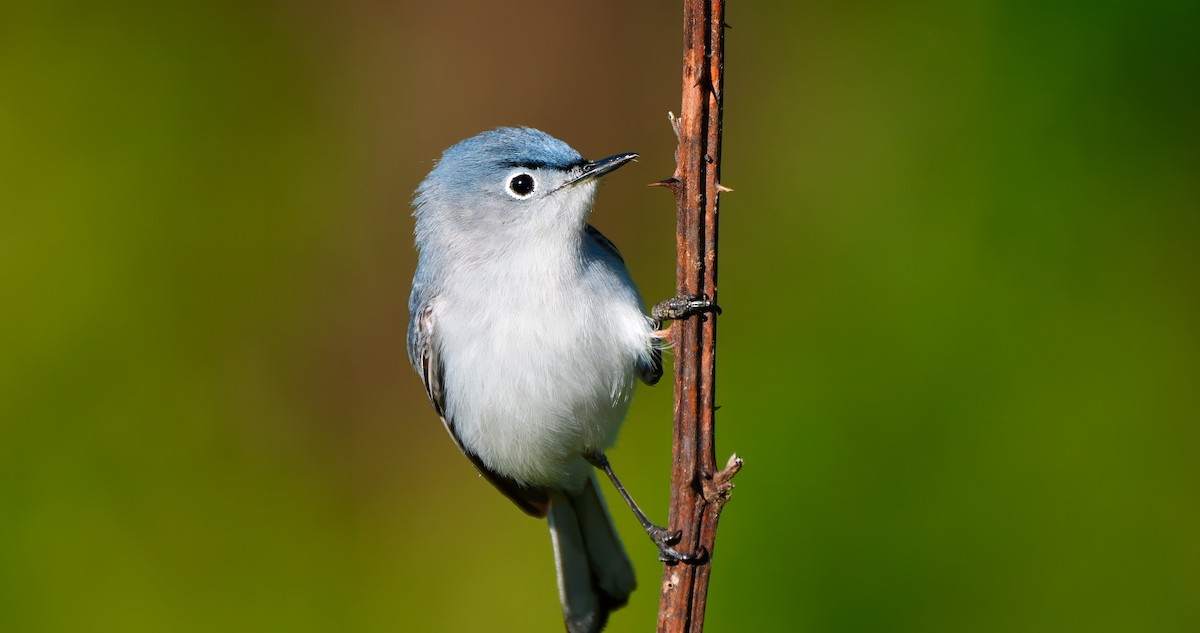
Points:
[[542, 395]]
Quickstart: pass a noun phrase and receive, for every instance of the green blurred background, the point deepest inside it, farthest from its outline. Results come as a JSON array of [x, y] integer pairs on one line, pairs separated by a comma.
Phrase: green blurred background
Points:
[[959, 353]]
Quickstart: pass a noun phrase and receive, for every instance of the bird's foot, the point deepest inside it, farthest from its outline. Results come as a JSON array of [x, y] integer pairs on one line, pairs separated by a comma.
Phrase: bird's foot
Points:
[[684, 306], [665, 540]]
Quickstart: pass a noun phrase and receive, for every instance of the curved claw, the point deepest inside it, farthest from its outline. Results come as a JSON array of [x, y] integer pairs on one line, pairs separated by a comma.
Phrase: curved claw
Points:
[[700, 555], [662, 537], [672, 556], [664, 540]]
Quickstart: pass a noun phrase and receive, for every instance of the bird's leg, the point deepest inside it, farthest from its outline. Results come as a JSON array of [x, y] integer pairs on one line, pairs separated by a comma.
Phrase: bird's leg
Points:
[[682, 307], [662, 537], [672, 309]]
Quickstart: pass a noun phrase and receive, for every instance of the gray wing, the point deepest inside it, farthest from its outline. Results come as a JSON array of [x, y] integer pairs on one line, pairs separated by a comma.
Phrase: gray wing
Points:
[[604, 242], [650, 371], [426, 359]]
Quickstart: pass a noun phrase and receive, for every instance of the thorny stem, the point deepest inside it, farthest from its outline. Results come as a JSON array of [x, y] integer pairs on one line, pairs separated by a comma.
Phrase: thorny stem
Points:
[[698, 489]]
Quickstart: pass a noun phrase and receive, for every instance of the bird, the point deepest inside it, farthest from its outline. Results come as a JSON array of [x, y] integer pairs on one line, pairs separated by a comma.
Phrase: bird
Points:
[[530, 336]]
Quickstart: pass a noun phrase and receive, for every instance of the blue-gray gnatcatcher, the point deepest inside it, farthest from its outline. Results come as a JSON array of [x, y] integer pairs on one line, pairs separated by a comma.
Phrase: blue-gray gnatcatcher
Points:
[[529, 336]]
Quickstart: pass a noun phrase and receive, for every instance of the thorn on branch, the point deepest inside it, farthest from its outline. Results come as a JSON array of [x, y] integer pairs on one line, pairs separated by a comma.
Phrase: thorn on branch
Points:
[[669, 183]]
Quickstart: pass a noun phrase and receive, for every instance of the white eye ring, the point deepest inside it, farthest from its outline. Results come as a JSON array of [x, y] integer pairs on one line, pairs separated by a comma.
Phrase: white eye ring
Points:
[[521, 185]]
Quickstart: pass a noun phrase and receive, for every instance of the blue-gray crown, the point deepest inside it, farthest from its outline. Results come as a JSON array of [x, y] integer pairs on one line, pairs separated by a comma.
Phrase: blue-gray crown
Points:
[[511, 147]]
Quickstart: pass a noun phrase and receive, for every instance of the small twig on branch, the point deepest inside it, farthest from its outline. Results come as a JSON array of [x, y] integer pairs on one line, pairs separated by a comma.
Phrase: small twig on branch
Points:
[[698, 489]]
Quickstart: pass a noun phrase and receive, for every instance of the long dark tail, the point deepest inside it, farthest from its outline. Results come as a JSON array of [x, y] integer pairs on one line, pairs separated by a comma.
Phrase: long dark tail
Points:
[[594, 572]]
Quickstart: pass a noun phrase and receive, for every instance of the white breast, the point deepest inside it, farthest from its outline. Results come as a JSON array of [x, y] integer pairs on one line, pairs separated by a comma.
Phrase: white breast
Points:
[[540, 371]]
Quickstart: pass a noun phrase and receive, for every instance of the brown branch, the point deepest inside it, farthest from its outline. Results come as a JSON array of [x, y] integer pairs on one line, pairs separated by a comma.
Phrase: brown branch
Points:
[[698, 489]]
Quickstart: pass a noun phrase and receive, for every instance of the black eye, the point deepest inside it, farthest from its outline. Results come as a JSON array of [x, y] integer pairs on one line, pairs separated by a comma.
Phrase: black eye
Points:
[[521, 185]]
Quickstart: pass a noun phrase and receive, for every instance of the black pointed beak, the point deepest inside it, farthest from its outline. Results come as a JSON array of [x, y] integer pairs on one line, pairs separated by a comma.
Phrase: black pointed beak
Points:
[[599, 168]]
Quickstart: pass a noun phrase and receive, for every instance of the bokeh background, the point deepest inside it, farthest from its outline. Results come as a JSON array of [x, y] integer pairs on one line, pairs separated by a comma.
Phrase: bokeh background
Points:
[[959, 353]]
